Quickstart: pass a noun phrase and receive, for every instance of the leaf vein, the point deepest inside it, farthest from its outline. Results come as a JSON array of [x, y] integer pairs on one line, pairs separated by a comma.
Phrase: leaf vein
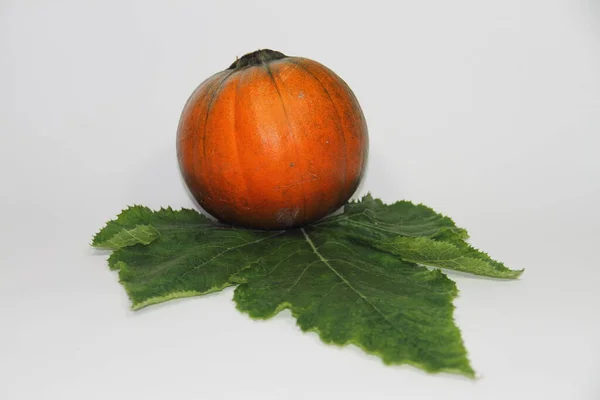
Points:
[[366, 300]]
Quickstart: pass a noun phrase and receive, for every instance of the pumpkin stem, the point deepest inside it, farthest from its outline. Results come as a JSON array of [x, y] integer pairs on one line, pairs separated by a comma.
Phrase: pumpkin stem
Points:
[[256, 58]]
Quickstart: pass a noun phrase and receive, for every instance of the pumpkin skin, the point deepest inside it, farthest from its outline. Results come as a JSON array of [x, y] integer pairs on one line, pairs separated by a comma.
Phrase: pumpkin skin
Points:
[[272, 142]]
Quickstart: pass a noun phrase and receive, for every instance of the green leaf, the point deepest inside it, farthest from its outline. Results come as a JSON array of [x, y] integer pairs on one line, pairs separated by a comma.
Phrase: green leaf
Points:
[[442, 254], [189, 256], [416, 233], [143, 234], [353, 293], [353, 278], [373, 219]]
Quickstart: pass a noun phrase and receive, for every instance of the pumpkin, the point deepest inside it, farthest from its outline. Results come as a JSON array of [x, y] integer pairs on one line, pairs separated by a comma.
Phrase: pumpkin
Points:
[[272, 142]]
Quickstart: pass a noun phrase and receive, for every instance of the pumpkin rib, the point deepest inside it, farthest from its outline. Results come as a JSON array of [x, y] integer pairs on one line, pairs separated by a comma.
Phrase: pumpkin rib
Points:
[[204, 92], [220, 161], [235, 101], [339, 87], [209, 108], [295, 140], [339, 120], [190, 101], [213, 93], [210, 94]]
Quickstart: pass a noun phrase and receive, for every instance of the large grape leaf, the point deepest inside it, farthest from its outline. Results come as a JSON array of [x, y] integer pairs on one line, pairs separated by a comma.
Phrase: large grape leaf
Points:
[[416, 233], [352, 293], [189, 255], [352, 278]]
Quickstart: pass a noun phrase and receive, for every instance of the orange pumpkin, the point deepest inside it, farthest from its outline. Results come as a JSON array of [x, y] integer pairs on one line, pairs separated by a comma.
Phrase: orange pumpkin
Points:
[[272, 142]]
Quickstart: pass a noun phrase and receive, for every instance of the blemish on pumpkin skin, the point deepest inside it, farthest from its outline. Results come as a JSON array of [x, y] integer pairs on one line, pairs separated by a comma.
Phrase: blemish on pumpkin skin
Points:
[[301, 95], [287, 216], [292, 164], [313, 177]]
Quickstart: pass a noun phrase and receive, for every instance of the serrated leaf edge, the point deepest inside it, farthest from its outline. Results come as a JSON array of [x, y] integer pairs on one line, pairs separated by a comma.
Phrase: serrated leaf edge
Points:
[[469, 372]]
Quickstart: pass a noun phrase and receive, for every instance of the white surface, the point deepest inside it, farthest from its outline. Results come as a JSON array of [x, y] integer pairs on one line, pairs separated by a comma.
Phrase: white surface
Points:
[[488, 111]]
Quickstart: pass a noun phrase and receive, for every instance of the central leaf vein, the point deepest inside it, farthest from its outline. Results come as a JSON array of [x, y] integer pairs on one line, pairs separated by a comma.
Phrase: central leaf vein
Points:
[[343, 279]]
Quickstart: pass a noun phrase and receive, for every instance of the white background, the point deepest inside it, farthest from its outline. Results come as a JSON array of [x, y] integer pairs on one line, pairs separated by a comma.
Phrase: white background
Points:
[[488, 111]]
